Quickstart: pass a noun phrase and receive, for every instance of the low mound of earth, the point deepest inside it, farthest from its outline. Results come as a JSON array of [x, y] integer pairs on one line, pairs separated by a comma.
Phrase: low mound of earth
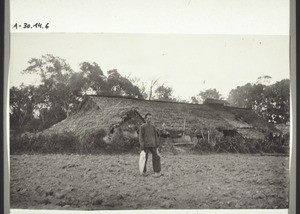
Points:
[[105, 182]]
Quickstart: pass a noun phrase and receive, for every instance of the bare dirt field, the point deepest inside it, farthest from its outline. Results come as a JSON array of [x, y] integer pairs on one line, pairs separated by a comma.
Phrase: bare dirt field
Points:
[[105, 182]]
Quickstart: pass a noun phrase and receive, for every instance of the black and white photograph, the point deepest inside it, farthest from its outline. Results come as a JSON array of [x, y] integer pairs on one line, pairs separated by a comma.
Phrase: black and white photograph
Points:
[[149, 121]]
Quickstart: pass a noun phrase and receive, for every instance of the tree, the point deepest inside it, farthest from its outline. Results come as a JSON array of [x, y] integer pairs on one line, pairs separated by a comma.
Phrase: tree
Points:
[[277, 102], [78, 85], [61, 90], [209, 93], [271, 102], [194, 100], [50, 68], [246, 96], [164, 93], [141, 85], [93, 78], [93, 81], [21, 106], [152, 84], [121, 86], [55, 92], [264, 80]]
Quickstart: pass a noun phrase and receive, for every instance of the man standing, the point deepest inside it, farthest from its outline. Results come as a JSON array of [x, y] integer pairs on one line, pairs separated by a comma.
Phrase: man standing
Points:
[[149, 141]]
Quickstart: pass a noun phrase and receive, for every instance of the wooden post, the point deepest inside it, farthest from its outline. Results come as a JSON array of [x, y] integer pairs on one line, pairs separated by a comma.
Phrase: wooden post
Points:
[[183, 128], [202, 134], [208, 136]]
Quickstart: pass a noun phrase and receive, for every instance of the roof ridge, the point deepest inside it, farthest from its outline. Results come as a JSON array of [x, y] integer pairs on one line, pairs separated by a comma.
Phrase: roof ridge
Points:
[[133, 98], [164, 101]]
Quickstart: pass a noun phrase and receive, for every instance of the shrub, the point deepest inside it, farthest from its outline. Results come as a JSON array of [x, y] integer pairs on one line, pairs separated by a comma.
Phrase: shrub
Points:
[[277, 145], [18, 144], [226, 144], [93, 142], [203, 145], [117, 141], [131, 143], [53, 143], [90, 142], [122, 142], [238, 144]]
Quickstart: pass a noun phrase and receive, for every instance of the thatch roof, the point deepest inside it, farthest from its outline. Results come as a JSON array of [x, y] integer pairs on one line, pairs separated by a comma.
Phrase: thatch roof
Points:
[[90, 118], [104, 111], [215, 102], [173, 115]]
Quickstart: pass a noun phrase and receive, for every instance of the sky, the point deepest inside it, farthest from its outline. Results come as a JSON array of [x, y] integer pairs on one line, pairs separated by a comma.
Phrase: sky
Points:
[[190, 45], [187, 63]]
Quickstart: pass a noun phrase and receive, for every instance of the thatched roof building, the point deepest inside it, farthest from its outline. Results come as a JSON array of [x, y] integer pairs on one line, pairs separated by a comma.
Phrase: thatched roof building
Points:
[[210, 101], [106, 112]]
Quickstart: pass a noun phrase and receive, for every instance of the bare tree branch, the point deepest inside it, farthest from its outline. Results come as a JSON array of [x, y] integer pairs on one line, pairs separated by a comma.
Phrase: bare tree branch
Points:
[[152, 84]]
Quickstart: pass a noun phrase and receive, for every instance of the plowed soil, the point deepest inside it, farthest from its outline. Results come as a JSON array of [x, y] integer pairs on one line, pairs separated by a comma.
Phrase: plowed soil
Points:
[[104, 182]]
